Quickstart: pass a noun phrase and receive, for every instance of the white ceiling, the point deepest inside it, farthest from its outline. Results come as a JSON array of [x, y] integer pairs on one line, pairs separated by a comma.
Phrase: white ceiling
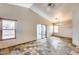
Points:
[[26, 5], [60, 12]]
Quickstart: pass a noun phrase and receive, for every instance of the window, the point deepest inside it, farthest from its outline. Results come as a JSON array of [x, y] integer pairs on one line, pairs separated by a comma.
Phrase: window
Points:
[[55, 28], [8, 29]]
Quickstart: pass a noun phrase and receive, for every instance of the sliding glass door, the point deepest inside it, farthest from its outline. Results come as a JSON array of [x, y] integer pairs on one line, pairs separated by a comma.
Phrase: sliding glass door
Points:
[[41, 31]]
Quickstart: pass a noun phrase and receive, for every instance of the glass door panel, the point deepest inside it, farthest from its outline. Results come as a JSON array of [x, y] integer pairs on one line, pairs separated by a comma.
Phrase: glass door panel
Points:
[[41, 31], [38, 31]]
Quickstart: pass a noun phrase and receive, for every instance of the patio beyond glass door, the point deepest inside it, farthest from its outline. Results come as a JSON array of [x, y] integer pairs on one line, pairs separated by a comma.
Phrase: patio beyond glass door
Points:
[[41, 31]]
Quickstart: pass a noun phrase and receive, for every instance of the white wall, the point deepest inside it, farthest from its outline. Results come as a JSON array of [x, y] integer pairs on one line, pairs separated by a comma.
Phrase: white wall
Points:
[[75, 20], [26, 24], [72, 29], [65, 29]]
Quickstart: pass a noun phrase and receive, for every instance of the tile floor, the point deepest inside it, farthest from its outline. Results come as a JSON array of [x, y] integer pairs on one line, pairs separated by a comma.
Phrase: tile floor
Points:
[[49, 46]]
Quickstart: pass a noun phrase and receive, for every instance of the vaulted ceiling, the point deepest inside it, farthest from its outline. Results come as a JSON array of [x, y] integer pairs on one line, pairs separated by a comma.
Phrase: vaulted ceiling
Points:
[[59, 12]]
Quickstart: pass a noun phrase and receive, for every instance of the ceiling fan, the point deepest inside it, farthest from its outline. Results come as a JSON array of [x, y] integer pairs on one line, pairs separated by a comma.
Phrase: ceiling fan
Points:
[[51, 4]]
